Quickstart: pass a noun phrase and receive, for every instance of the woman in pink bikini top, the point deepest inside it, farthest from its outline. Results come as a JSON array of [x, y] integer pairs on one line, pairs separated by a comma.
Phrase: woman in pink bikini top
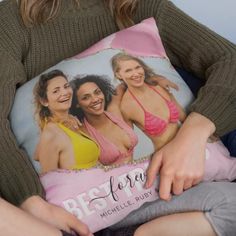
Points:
[[152, 108], [104, 124], [153, 124]]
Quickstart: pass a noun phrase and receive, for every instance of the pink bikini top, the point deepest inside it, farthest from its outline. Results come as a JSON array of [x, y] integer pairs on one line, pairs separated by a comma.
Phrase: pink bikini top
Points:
[[154, 125], [109, 152]]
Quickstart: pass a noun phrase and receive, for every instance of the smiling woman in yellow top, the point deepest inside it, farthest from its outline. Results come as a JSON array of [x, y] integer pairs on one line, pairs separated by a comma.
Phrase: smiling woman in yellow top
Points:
[[62, 144]]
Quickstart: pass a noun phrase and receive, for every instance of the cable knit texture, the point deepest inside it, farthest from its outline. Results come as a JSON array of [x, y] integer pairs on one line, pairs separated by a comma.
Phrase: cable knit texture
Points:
[[26, 52]]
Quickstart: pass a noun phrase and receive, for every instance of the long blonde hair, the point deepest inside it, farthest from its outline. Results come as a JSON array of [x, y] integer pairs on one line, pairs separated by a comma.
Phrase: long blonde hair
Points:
[[119, 57], [41, 11]]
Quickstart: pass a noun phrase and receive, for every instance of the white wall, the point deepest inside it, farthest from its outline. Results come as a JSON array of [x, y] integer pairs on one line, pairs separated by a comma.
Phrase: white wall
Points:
[[218, 15]]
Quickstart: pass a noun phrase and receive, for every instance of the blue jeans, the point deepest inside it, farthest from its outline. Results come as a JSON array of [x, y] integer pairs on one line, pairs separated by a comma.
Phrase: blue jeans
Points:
[[195, 84]]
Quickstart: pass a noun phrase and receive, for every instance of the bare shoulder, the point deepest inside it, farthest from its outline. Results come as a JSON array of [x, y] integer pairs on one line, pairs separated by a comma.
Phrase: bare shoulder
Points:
[[51, 132], [163, 92], [50, 138], [127, 105]]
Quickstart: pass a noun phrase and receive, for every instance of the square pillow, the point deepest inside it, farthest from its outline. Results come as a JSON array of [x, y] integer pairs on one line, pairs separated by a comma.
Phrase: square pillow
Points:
[[97, 197]]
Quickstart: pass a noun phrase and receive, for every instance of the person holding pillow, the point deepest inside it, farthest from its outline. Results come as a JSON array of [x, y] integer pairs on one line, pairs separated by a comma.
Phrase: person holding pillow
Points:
[[92, 97], [62, 144], [160, 119], [38, 34]]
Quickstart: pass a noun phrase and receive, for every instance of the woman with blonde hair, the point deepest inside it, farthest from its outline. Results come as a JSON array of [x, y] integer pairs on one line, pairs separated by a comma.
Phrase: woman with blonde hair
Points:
[[143, 100], [150, 77], [36, 34]]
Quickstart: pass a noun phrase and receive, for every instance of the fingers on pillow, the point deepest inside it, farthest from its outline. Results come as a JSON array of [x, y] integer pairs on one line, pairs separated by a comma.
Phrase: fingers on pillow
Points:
[[153, 169]]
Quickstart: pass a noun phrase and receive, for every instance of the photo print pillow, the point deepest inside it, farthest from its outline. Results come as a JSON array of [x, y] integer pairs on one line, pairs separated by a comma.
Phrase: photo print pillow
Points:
[[100, 196]]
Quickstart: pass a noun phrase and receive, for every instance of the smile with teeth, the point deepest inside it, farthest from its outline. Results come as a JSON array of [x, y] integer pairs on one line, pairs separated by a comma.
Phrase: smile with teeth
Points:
[[97, 105], [137, 78], [64, 100]]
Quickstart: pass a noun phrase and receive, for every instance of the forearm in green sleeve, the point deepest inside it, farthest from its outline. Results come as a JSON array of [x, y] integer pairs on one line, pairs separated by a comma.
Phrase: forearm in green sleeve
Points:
[[207, 55], [19, 180], [217, 105]]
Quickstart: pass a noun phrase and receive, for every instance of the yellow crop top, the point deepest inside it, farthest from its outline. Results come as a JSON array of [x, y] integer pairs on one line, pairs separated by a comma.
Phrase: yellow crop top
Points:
[[86, 151]]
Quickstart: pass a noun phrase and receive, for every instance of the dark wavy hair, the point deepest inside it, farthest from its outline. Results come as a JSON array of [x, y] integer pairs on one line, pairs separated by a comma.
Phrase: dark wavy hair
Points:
[[102, 82]]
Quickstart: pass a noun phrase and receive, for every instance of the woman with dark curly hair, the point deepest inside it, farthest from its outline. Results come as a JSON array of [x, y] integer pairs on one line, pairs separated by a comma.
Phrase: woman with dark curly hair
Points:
[[96, 104]]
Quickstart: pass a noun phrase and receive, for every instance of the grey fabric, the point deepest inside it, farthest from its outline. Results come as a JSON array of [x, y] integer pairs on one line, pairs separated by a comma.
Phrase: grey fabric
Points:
[[217, 200]]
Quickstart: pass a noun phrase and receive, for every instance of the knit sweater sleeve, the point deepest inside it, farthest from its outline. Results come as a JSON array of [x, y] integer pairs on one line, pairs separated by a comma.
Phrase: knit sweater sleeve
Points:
[[205, 54], [18, 178]]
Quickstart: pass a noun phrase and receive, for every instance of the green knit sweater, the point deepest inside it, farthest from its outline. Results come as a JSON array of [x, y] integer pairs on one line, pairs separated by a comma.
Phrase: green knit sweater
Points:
[[26, 52]]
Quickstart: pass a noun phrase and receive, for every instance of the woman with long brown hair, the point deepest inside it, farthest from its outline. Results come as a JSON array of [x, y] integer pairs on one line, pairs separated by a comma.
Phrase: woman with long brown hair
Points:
[[62, 143], [36, 34]]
